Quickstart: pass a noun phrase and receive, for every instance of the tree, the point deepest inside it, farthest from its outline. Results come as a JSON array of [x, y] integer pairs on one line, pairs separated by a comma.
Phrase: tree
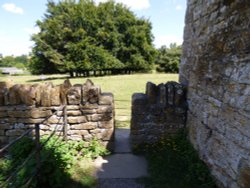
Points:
[[11, 61], [168, 59], [80, 36]]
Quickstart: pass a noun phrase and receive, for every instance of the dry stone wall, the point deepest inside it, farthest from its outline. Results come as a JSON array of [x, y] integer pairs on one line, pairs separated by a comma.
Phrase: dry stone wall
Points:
[[159, 112], [90, 113], [216, 69]]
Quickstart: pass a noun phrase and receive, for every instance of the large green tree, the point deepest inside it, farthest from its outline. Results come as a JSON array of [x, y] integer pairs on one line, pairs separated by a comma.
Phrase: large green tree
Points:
[[79, 36], [168, 59]]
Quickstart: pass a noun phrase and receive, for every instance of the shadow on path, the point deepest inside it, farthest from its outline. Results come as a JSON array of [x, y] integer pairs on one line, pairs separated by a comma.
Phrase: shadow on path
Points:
[[122, 168]]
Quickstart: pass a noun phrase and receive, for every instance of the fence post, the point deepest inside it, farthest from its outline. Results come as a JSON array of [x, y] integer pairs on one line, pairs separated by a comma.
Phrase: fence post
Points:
[[65, 124], [38, 157]]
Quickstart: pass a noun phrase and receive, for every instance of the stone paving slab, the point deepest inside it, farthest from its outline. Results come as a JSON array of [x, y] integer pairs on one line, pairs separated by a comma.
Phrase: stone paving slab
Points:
[[121, 166], [119, 183]]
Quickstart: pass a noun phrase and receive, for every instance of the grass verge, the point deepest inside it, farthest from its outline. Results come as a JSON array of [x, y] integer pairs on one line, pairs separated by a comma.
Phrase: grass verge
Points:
[[173, 163]]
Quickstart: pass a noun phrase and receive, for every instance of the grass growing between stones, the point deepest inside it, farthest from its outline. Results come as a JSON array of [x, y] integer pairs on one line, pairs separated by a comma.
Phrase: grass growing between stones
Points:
[[173, 163], [122, 86]]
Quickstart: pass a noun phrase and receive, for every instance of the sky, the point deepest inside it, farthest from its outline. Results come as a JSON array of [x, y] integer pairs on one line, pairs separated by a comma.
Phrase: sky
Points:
[[18, 21]]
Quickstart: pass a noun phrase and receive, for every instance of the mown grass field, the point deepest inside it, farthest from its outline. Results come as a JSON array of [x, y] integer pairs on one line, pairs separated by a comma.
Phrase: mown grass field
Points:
[[122, 86]]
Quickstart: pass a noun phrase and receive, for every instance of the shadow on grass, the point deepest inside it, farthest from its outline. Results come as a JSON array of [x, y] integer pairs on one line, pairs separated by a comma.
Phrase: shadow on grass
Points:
[[173, 162], [48, 79]]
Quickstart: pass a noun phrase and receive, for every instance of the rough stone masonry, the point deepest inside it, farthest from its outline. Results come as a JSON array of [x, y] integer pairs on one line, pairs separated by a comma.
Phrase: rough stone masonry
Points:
[[158, 113], [90, 113], [215, 67]]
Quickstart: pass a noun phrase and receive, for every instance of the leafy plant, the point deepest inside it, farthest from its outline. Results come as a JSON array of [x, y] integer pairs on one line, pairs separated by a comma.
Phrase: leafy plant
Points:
[[59, 160]]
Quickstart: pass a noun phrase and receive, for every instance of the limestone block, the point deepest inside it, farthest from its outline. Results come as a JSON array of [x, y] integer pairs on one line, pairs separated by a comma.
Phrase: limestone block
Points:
[[139, 99], [88, 125], [37, 91], [5, 126], [54, 120], [56, 127], [89, 106], [44, 127], [27, 94], [14, 132], [107, 134], [26, 120], [88, 137], [179, 95], [46, 94], [19, 126], [63, 91], [18, 113], [4, 86], [93, 94], [3, 114], [74, 113], [37, 113], [78, 132], [88, 111], [74, 95], [106, 99], [78, 119], [13, 95], [3, 139], [2, 132], [170, 90], [106, 124], [162, 95], [100, 117], [151, 92], [75, 137], [73, 107], [104, 109], [55, 96]]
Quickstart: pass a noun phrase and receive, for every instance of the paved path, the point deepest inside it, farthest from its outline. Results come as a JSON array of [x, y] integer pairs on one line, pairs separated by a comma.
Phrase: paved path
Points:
[[121, 169]]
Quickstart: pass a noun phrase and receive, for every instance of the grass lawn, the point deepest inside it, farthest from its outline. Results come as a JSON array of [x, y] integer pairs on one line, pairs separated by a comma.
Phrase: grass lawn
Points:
[[122, 86]]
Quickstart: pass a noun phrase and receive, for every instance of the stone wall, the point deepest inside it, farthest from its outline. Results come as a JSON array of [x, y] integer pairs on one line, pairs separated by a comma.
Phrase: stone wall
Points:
[[90, 113], [216, 68], [159, 112]]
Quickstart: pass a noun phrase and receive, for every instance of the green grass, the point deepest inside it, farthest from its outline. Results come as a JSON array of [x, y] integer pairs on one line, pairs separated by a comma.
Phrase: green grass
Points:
[[122, 86], [173, 163]]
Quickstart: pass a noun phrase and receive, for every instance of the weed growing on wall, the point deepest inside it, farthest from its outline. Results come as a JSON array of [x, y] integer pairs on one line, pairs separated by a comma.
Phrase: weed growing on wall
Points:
[[174, 163], [60, 161]]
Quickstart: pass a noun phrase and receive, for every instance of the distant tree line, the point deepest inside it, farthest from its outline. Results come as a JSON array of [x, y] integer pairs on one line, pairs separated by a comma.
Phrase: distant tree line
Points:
[[168, 58], [14, 61], [80, 36]]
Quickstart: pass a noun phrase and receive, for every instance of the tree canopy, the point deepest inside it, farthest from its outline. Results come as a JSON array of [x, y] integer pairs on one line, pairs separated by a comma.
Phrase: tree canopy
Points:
[[79, 36], [168, 59]]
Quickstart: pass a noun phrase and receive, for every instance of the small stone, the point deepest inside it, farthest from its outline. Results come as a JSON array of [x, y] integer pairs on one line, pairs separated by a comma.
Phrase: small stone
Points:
[[104, 109], [106, 124], [74, 95], [75, 137], [79, 119], [88, 125], [106, 99], [74, 113], [151, 92]]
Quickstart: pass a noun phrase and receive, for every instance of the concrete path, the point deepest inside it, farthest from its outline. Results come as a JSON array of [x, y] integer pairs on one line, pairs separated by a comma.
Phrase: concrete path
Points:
[[121, 169]]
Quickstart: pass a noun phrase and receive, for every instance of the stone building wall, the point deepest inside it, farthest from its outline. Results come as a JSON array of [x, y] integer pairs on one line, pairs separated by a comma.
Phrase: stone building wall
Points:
[[90, 113], [216, 69], [159, 112]]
